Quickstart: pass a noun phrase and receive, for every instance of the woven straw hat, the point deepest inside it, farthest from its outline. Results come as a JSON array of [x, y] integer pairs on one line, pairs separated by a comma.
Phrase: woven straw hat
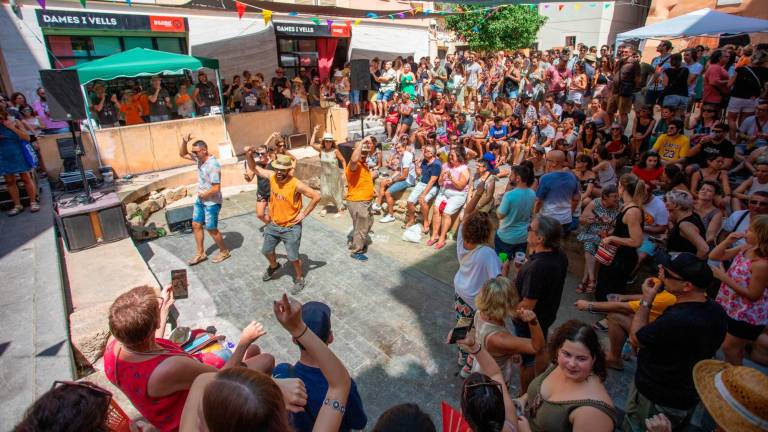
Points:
[[735, 396], [283, 162]]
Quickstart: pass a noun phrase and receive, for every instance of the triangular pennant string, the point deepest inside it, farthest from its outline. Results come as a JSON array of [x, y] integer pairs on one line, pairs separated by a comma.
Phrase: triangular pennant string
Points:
[[315, 20], [329, 22], [41, 3], [267, 14], [560, 7], [240, 9], [577, 6], [82, 2], [372, 15], [293, 14], [357, 21]]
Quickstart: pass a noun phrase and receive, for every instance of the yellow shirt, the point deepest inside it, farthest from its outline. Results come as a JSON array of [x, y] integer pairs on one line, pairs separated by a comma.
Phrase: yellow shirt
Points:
[[359, 183], [284, 201], [661, 302], [671, 149]]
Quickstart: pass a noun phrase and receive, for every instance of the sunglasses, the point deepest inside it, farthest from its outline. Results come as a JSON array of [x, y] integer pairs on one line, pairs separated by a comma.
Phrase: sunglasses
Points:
[[758, 203], [260, 153]]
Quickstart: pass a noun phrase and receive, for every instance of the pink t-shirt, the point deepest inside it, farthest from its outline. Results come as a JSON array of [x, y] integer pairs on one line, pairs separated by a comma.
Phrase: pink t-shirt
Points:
[[714, 73], [454, 172]]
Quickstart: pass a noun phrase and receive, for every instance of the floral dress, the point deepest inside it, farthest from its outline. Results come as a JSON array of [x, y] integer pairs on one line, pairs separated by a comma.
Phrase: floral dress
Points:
[[737, 306], [590, 236]]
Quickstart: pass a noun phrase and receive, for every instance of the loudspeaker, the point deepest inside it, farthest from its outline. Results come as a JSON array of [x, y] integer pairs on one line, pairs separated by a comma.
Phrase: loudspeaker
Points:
[[360, 78], [62, 92], [179, 218], [87, 225]]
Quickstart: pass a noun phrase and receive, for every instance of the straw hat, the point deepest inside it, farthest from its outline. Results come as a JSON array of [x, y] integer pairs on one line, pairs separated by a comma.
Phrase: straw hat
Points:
[[328, 137], [735, 396], [297, 80], [283, 162]]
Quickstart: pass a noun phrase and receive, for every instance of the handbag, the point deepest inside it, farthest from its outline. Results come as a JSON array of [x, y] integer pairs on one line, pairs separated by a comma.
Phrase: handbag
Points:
[[606, 252], [29, 154]]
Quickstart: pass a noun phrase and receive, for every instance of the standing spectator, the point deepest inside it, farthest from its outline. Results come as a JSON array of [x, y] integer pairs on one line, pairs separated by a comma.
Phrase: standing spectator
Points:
[[50, 126], [185, 106], [675, 82], [746, 87], [13, 162], [627, 236], [262, 184], [454, 185], [426, 189], [387, 84], [208, 200], [655, 85], [159, 102], [744, 289], [331, 183], [711, 216], [673, 145], [313, 93], [558, 193], [687, 232], [515, 212], [317, 318], [687, 332], [641, 131], [578, 84], [131, 108], [716, 79], [360, 195], [280, 89], [695, 69], [757, 182], [105, 106], [540, 283], [472, 70], [286, 212], [205, 94]]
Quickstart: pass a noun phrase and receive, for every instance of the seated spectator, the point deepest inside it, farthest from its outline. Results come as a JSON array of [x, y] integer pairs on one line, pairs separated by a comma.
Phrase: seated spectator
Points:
[[655, 225], [514, 213], [574, 379], [673, 179], [713, 171], [428, 172], [649, 170], [687, 232], [542, 134], [497, 301], [403, 178], [454, 184], [673, 145], [243, 399], [599, 217], [497, 134], [317, 317], [744, 289], [714, 143], [753, 132], [618, 145], [739, 220], [68, 406], [707, 209], [687, 332], [587, 178], [482, 188], [571, 111], [155, 373], [605, 169], [589, 139], [758, 182], [667, 115], [641, 132], [404, 417], [702, 121]]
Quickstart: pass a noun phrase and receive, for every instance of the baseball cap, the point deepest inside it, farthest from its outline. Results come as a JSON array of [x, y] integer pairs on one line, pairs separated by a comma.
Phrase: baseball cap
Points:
[[690, 268], [317, 316]]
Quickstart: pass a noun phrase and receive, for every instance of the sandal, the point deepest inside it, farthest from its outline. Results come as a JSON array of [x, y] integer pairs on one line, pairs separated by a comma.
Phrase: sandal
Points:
[[430, 242], [34, 207], [197, 259], [439, 245], [16, 210], [600, 326], [220, 257]]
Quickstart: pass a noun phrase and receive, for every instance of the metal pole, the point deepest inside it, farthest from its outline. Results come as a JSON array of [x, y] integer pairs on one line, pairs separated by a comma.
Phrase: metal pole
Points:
[[85, 197]]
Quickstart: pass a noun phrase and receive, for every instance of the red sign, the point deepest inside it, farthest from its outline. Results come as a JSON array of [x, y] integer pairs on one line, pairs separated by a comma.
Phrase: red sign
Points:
[[166, 24], [340, 31]]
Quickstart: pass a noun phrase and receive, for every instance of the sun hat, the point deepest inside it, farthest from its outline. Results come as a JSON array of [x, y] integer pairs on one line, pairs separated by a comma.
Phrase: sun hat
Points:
[[590, 58], [283, 162], [735, 396], [328, 137], [297, 80]]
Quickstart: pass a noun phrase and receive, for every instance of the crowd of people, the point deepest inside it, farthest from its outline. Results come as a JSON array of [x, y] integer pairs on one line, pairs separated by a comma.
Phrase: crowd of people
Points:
[[659, 171]]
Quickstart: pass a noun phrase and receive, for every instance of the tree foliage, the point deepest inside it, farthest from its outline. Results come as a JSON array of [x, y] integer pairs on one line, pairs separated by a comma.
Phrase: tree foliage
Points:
[[508, 27]]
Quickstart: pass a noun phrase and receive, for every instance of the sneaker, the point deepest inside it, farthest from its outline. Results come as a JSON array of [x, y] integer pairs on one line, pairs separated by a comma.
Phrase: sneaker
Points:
[[298, 285], [270, 272], [359, 256], [387, 219], [375, 207]]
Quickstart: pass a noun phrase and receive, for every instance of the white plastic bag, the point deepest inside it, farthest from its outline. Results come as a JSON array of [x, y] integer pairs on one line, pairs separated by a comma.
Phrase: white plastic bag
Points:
[[413, 234]]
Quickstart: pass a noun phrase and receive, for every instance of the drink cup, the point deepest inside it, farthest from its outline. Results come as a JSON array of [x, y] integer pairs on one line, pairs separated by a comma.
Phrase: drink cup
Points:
[[519, 258]]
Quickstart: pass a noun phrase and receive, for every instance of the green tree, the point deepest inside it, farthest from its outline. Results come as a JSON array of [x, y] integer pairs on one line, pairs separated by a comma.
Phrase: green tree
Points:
[[508, 27]]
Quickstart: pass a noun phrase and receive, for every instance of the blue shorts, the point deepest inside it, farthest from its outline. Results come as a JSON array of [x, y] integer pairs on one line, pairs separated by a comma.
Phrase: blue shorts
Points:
[[290, 236], [354, 96], [206, 215], [648, 247], [399, 186], [384, 96], [435, 88]]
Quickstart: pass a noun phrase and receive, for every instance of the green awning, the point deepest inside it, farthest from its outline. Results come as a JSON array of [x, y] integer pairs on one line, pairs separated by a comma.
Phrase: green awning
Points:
[[140, 62]]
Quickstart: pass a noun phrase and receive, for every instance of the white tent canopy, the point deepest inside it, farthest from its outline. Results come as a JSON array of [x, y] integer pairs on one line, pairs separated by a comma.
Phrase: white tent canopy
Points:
[[703, 22]]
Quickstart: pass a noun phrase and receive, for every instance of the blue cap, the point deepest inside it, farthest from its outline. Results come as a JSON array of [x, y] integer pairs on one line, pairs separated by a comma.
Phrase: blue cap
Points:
[[317, 316]]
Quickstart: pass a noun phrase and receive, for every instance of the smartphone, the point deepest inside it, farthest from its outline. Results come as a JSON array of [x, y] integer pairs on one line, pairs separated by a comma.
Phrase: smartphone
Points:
[[459, 333], [179, 284]]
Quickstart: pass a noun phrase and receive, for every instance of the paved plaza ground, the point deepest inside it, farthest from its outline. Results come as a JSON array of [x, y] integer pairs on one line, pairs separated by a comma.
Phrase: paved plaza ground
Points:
[[390, 314]]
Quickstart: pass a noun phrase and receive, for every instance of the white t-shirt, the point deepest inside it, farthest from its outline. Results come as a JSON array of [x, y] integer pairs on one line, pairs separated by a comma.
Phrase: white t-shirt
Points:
[[656, 213], [693, 70], [476, 266], [735, 218], [473, 71], [407, 162]]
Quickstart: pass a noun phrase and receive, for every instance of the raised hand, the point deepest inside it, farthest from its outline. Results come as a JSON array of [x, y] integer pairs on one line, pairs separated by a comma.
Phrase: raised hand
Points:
[[251, 333], [288, 313]]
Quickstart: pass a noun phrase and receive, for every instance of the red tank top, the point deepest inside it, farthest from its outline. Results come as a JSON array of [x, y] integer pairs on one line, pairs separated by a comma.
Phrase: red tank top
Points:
[[132, 378]]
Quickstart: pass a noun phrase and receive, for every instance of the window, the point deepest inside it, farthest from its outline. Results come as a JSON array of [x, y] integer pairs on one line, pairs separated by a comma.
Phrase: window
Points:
[[570, 41], [66, 51], [296, 53]]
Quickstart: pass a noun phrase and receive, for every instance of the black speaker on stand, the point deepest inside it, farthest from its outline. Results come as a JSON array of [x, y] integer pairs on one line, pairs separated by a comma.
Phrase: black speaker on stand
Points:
[[360, 79], [66, 103]]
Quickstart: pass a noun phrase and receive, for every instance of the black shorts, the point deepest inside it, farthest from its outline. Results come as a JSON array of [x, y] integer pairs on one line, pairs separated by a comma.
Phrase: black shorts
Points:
[[262, 197], [744, 330]]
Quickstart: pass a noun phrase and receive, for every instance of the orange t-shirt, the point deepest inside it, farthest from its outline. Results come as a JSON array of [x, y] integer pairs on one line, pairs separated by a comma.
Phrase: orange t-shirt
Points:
[[284, 201], [131, 111], [359, 182], [143, 100]]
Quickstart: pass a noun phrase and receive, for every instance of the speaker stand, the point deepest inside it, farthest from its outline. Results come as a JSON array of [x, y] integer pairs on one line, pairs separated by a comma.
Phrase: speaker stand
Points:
[[85, 197]]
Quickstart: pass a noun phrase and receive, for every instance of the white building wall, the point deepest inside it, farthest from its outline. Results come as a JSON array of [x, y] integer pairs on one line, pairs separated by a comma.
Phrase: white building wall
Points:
[[391, 38], [23, 49]]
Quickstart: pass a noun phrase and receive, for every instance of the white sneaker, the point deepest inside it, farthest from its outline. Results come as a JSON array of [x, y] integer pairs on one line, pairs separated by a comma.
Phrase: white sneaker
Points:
[[387, 219], [375, 207]]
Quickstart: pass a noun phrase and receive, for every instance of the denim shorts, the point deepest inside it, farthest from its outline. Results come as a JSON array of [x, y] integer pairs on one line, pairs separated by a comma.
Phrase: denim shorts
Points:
[[676, 101], [435, 88], [648, 247], [354, 96], [290, 236], [159, 118], [399, 186], [206, 215], [384, 96]]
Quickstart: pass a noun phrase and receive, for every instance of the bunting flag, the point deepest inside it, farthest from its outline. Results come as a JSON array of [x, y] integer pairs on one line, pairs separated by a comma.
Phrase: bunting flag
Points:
[[372, 15], [293, 14], [607, 5], [357, 21], [427, 12], [546, 6], [329, 22], [592, 4], [560, 7], [267, 15], [41, 3], [348, 23], [129, 3], [316, 21], [577, 6], [392, 17], [240, 9], [401, 15], [532, 6], [476, 29], [82, 2]]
